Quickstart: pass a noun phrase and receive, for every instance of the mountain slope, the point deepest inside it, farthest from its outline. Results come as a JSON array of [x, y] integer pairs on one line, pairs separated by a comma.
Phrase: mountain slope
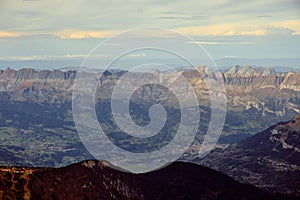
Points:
[[269, 160], [97, 180]]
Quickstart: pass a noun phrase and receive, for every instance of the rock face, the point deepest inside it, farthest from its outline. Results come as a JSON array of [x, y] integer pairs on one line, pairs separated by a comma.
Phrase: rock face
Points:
[[97, 180], [263, 89], [269, 160], [37, 86]]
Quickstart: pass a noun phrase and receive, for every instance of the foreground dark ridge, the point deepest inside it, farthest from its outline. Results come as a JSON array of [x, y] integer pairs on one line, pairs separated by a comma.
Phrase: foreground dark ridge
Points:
[[97, 180]]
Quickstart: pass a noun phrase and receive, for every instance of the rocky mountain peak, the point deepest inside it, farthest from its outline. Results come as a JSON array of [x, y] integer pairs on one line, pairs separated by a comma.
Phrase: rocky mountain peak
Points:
[[266, 71], [249, 70], [297, 119], [233, 70], [296, 125]]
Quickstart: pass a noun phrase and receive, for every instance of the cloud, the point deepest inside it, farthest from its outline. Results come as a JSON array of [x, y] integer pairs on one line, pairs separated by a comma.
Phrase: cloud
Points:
[[51, 16], [233, 29], [217, 42], [7, 34], [82, 34], [263, 16], [293, 25], [137, 55], [182, 16], [42, 57], [61, 57], [65, 28], [257, 32]]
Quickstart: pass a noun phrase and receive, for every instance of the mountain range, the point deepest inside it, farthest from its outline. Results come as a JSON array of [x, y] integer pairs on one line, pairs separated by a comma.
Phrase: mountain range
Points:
[[280, 64], [248, 87], [261, 92]]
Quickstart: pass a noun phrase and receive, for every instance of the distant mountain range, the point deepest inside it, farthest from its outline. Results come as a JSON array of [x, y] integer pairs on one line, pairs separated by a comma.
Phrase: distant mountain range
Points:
[[247, 86], [270, 94], [280, 64]]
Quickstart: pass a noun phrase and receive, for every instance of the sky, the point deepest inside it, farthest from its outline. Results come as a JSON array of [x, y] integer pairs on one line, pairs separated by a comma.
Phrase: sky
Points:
[[44, 29]]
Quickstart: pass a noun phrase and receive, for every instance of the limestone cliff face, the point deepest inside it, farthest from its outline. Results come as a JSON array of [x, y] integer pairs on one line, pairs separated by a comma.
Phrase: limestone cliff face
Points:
[[246, 87], [38, 86], [263, 89], [249, 79]]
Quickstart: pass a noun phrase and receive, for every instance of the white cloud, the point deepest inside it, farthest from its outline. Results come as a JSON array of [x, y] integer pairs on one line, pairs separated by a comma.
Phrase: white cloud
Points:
[[109, 15], [217, 42], [10, 34], [81, 34], [257, 32], [244, 29], [228, 29], [137, 55], [42, 57], [293, 25]]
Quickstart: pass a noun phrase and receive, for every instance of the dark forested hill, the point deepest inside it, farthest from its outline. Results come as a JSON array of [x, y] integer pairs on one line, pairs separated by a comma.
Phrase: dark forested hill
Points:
[[97, 180]]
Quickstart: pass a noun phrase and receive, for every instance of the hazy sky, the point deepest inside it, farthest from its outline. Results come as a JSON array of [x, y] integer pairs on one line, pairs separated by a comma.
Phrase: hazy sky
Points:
[[35, 29]]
